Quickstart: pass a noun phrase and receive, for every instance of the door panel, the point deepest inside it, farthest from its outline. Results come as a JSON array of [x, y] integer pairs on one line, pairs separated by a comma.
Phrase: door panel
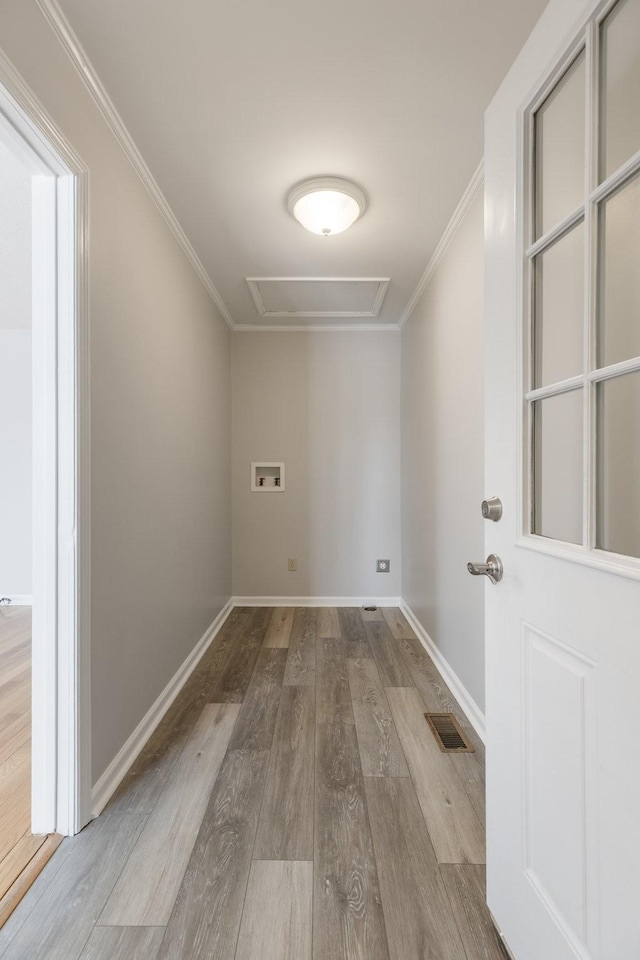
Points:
[[563, 626], [559, 711]]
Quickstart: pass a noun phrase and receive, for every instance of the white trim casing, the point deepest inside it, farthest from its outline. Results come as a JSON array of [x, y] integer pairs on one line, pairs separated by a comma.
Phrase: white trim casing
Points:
[[74, 535], [316, 601], [115, 772], [254, 288], [471, 709], [469, 195], [61, 727], [73, 48], [316, 328]]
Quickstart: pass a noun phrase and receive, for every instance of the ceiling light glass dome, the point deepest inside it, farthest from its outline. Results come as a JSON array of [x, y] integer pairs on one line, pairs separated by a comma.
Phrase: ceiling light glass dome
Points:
[[327, 205]]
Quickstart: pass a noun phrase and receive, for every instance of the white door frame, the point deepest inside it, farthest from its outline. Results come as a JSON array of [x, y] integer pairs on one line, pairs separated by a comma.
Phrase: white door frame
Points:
[[61, 686]]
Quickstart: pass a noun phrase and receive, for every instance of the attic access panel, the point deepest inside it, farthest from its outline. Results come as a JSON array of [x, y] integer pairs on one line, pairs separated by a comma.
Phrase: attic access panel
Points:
[[329, 297]]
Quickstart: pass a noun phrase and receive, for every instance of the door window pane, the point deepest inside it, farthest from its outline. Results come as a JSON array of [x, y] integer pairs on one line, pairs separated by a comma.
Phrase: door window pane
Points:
[[620, 79], [618, 505], [557, 467], [619, 294], [560, 149], [559, 309]]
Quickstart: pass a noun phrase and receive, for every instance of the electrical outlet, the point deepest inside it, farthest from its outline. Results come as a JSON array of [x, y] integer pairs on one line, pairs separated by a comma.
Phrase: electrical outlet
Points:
[[292, 565], [383, 566]]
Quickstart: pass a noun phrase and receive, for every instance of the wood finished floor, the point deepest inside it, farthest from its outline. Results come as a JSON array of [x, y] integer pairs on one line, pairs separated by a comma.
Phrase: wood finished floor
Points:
[[22, 855], [292, 805], [17, 846]]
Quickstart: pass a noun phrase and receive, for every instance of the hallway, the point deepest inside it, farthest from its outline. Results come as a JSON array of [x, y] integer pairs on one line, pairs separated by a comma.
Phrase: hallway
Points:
[[293, 803]]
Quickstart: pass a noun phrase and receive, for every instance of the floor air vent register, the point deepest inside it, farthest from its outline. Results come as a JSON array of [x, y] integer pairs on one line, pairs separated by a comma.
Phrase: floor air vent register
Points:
[[448, 733]]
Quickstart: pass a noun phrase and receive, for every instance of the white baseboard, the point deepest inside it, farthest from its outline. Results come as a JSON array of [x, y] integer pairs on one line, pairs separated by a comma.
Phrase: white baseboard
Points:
[[316, 601], [17, 599], [115, 772], [472, 711]]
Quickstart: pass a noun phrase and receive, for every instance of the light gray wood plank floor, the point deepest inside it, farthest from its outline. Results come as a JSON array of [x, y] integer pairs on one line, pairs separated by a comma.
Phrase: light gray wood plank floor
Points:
[[374, 614], [170, 832], [301, 662], [277, 915], [398, 623], [456, 833], [465, 884], [438, 698], [285, 831], [64, 917], [392, 667], [290, 806], [353, 633], [279, 632], [123, 943], [380, 751], [206, 919], [332, 683], [328, 622], [257, 719], [347, 910], [419, 920]]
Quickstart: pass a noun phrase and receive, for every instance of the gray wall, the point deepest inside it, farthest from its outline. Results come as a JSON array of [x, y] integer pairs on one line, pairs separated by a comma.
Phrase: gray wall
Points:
[[160, 414], [328, 404], [442, 454], [15, 375]]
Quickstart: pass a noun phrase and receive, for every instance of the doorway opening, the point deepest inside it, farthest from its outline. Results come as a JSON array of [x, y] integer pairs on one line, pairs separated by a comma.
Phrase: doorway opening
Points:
[[17, 845], [50, 364]]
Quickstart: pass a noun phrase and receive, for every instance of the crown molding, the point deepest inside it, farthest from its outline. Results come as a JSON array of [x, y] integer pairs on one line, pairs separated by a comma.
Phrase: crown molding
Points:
[[459, 214], [63, 30], [27, 118]]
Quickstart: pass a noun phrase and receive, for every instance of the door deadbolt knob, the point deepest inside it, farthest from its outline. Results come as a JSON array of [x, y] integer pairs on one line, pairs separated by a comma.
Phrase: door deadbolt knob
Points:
[[492, 508], [492, 568]]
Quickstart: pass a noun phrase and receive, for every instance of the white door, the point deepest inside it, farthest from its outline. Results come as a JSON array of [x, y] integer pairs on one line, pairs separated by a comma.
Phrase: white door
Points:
[[562, 160]]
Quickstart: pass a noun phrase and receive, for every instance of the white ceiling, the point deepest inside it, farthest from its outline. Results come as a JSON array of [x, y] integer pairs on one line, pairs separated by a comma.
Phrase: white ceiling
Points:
[[231, 104]]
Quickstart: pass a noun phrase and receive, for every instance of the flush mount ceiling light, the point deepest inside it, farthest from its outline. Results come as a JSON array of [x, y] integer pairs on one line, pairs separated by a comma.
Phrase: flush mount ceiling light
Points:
[[327, 205]]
